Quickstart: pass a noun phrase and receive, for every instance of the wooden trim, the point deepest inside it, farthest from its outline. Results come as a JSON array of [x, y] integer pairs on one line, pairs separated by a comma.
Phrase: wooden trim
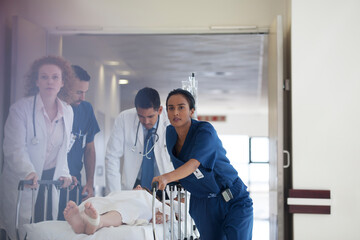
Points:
[[309, 209], [303, 193]]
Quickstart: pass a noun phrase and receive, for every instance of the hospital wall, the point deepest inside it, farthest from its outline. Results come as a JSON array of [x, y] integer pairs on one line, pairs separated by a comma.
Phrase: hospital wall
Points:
[[252, 125], [2, 82], [5, 34], [326, 114]]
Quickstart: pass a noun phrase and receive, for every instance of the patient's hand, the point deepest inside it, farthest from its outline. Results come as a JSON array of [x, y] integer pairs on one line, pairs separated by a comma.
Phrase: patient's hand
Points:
[[159, 218]]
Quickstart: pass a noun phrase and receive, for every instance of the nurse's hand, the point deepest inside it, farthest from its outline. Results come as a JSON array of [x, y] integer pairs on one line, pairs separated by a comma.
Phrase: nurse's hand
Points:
[[162, 180], [88, 191], [34, 177], [67, 181], [74, 182]]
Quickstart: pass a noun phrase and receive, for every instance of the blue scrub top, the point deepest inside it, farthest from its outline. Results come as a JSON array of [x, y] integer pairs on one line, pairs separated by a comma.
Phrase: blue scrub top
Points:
[[84, 125], [203, 144]]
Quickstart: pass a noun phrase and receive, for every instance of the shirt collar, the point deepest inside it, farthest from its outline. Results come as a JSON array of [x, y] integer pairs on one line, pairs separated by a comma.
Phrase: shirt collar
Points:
[[40, 106], [146, 130]]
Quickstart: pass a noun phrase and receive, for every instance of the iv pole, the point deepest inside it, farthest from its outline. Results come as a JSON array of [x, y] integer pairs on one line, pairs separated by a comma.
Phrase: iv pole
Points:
[[191, 85]]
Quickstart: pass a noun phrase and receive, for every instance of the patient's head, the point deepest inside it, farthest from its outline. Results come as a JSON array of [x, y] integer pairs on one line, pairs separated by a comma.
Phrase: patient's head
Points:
[[138, 187]]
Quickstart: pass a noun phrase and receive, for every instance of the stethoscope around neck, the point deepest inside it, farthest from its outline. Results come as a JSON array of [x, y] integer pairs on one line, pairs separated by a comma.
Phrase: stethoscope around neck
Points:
[[34, 140], [147, 151]]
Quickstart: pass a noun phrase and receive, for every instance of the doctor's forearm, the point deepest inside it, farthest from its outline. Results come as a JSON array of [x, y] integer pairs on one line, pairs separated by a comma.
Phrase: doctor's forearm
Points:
[[90, 162]]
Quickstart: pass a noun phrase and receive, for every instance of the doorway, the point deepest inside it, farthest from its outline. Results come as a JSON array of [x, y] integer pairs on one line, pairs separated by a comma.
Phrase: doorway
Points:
[[231, 70]]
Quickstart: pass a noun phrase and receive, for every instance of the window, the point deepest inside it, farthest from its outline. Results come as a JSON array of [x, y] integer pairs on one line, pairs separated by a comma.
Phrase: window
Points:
[[250, 157]]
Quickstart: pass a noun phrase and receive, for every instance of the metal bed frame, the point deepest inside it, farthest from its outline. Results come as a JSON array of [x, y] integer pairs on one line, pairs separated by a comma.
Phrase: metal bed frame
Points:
[[48, 184], [180, 193], [174, 189]]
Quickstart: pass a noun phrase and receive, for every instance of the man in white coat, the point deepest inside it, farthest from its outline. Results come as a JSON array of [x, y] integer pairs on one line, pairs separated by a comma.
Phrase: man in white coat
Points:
[[136, 151]]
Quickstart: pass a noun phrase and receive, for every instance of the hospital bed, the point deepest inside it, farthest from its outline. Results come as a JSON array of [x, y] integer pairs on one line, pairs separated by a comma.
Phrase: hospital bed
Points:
[[173, 229]]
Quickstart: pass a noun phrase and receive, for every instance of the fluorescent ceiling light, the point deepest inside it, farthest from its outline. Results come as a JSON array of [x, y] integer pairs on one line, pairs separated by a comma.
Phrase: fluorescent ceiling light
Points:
[[79, 28], [124, 73], [233, 27], [123, 81], [112, 63]]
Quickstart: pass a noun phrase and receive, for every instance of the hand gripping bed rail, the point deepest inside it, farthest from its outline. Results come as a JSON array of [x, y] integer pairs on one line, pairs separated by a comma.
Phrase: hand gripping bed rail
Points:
[[176, 191], [154, 188], [47, 183]]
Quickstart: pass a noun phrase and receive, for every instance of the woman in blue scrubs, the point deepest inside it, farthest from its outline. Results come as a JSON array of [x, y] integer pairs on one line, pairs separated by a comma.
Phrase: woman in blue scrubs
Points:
[[220, 204]]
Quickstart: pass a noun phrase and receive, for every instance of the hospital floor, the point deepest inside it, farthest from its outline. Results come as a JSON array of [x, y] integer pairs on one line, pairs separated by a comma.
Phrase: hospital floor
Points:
[[261, 228]]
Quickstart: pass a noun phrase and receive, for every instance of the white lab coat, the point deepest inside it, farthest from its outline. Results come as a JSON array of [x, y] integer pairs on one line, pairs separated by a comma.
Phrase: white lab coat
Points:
[[121, 163], [21, 157]]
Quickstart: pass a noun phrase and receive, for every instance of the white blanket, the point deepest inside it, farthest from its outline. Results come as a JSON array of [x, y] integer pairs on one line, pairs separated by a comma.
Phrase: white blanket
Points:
[[60, 230], [133, 205]]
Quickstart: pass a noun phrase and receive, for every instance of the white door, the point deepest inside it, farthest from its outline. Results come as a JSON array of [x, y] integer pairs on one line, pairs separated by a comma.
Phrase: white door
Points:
[[28, 44], [276, 130]]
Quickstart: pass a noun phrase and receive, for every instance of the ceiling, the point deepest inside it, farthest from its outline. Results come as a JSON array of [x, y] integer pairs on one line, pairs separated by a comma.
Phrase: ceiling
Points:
[[230, 68]]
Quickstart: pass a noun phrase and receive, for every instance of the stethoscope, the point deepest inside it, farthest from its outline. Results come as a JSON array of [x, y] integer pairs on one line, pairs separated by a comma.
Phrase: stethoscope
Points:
[[148, 140], [34, 140]]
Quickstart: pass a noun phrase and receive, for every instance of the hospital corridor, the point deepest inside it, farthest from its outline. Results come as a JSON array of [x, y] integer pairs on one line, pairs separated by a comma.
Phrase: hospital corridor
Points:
[[244, 111]]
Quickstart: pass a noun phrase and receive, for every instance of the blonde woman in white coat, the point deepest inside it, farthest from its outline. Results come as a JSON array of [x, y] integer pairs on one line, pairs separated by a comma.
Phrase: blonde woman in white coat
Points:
[[37, 135]]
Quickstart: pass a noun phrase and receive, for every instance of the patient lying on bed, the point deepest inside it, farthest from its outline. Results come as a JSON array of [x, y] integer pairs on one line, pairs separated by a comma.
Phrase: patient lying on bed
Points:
[[123, 207]]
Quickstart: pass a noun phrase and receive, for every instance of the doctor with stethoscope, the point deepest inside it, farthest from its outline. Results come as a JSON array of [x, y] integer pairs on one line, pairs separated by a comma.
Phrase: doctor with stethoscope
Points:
[[131, 146], [37, 134]]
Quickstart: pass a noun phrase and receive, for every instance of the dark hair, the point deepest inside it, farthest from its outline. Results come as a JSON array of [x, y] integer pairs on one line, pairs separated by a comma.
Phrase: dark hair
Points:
[[189, 97], [33, 75], [80, 73], [147, 98]]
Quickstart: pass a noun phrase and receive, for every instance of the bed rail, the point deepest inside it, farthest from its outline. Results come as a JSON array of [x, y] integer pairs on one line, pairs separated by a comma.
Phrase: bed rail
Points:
[[176, 191], [48, 184]]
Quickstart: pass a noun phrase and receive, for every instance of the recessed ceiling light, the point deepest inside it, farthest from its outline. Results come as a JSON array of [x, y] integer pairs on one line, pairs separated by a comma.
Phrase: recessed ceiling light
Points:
[[112, 63], [123, 81], [124, 73]]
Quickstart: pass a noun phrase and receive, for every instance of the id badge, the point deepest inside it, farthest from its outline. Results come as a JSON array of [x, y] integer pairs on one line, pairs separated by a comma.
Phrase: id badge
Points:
[[198, 174], [84, 141], [72, 141], [227, 195]]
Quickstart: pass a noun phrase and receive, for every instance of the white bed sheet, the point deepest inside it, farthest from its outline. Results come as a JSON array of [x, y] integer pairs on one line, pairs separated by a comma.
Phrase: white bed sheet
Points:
[[60, 230]]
